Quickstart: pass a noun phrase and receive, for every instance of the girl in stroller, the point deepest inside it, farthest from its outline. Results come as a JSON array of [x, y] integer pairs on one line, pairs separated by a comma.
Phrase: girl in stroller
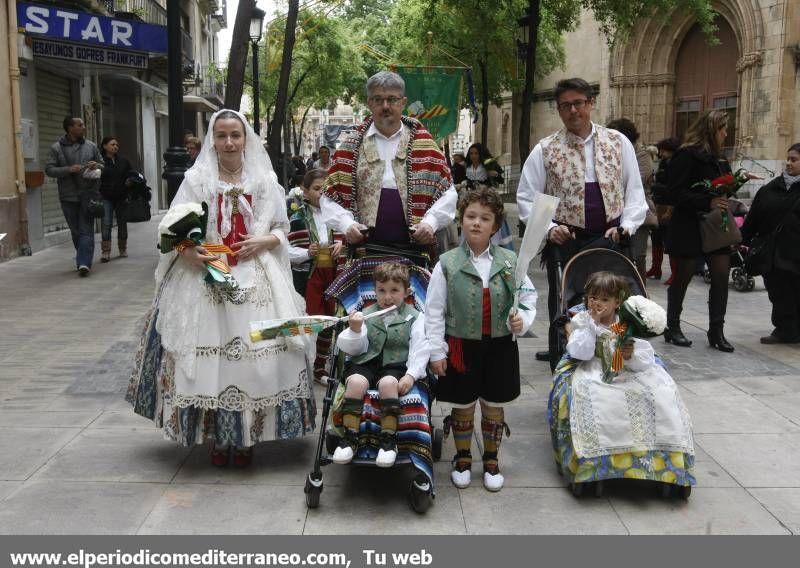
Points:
[[635, 426]]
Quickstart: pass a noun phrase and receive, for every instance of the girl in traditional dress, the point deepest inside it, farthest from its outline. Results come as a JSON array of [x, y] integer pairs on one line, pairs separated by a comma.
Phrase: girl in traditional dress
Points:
[[198, 376], [635, 426]]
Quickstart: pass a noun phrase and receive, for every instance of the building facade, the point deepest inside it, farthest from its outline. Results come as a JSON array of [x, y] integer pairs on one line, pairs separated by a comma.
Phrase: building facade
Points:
[[105, 62], [667, 73]]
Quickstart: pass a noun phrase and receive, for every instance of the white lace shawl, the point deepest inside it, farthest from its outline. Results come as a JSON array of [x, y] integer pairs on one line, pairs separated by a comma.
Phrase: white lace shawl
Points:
[[178, 309]]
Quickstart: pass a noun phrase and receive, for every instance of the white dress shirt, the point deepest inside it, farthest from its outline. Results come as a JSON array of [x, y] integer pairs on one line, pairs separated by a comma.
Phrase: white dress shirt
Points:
[[355, 344], [299, 255], [583, 337], [441, 213], [534, 178], [436, 302]]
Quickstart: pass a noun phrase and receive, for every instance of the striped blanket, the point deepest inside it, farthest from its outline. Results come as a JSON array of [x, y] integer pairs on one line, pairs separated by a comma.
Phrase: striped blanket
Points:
[[414, 429]]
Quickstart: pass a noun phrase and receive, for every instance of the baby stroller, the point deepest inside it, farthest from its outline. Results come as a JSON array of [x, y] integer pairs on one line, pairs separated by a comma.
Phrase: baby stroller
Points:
[[570, 289], [419, 444], [673, 470]]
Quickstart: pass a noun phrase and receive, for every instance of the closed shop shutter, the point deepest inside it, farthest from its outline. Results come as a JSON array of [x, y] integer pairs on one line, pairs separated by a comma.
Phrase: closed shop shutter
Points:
[[54, 103]]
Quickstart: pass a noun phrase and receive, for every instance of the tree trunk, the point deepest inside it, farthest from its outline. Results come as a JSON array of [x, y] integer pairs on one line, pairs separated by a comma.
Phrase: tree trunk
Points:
[[534, 7], [237, 60], [298, 141], [279, 118], [484, 101]]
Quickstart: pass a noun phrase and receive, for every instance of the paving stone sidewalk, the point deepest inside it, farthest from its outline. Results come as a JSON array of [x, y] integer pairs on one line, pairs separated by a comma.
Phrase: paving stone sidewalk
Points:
[[75, 459]]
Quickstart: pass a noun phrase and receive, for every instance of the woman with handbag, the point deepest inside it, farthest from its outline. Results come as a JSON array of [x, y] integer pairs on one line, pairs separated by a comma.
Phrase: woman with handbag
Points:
[[772, 228], [666, 149], [645, 162], [699, 159], [114, 189]]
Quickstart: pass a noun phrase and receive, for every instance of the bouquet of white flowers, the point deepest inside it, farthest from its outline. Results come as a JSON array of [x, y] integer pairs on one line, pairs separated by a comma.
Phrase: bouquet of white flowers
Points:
[[183, 226], [638, 317]]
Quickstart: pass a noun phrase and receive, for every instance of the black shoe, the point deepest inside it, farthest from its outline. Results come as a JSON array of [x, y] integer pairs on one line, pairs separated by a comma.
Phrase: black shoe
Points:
[[717, 340], [675, 336], [775, 340], [543, 355]]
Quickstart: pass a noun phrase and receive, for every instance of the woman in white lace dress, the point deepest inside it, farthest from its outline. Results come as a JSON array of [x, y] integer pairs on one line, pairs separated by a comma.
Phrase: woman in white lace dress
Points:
[[198, 376]]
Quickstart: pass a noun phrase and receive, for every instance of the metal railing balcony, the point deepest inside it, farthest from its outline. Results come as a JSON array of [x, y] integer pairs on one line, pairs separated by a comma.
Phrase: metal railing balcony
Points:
[[149, 11]]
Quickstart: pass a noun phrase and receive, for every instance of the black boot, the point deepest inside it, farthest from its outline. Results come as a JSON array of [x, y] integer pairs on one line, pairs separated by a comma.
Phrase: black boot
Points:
[[674, 335], [717, 339]]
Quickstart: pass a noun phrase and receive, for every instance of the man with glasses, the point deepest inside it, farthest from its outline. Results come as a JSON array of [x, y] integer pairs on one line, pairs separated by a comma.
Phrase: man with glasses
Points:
[[389, 180], [594, 172]]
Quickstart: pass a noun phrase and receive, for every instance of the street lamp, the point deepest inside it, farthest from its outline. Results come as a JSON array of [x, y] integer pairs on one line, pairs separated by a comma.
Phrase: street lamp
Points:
[[256, 25], [176, 158]]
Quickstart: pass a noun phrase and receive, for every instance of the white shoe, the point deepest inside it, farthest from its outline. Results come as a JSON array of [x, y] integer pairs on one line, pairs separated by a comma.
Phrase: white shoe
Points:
[[386, 458], [343, 455], [461, 479], [493, 482]]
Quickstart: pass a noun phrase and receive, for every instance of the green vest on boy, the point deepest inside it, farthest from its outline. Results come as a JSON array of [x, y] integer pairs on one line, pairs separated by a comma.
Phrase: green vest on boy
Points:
[[390, 343], [464, 312]]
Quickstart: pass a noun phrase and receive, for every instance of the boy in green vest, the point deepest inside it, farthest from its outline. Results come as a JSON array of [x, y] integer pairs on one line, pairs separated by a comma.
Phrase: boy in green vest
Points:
[[388, 353], [469, 326]]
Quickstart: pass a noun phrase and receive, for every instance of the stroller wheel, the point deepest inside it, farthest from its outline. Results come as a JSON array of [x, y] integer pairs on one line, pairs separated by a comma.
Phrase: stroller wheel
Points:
[[751, 283], [577, 489], [438, 437], [599, 487], [420, 494], [684, 492], [707, 276], [740, 284], [331, 442], [312, 489]]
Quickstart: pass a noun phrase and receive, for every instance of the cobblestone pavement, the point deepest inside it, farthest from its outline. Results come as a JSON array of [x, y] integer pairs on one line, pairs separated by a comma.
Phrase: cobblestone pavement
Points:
[[75, 459]]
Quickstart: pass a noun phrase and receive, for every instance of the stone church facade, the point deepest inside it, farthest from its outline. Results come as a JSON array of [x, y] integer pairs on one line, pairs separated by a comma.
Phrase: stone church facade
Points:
[[666, 73]]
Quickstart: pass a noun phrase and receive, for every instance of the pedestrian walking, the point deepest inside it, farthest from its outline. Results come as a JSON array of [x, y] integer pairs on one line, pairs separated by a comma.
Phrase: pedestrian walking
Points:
[[114, 187], [666, 148], [594, 172], [645, 162], [75, 162], [198, 375]]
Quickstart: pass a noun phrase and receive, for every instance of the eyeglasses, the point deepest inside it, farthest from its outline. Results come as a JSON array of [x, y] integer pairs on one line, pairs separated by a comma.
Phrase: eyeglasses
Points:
[[381, 100], [578, 105]]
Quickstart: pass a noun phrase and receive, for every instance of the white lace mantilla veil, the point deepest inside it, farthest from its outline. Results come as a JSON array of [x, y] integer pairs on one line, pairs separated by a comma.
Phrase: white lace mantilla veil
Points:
[[178, 314]]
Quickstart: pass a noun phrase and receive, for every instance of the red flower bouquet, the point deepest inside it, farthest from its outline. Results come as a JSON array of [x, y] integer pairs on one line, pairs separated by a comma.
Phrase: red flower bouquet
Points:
[[724, 186]]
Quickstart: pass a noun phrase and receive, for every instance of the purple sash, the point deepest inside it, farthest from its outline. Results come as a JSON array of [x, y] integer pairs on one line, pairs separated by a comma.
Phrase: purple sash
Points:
[[390, 223]]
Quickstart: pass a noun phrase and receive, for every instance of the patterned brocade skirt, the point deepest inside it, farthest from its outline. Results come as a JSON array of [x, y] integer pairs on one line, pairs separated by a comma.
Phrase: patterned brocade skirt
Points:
[[654, 465], [231, 413]]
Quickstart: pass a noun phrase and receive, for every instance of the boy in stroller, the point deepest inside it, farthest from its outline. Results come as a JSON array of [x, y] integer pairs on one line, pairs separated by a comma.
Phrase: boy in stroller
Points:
[[389, 354]]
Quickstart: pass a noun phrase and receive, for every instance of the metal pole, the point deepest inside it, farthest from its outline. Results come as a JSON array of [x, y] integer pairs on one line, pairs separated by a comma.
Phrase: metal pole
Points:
[[176, 158], [256, 113]]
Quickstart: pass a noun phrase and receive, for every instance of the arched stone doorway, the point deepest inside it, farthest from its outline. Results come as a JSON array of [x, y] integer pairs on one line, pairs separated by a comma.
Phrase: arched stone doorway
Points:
[[642, 69], [706, 78]]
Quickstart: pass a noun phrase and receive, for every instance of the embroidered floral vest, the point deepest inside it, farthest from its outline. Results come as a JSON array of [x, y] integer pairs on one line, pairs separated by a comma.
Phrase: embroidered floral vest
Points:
[[565, 166], [370, 176]]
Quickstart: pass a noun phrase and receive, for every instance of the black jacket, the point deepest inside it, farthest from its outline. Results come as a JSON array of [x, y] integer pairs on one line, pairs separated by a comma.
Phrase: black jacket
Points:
[[687, 167], [112, 182], [773, 205]]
